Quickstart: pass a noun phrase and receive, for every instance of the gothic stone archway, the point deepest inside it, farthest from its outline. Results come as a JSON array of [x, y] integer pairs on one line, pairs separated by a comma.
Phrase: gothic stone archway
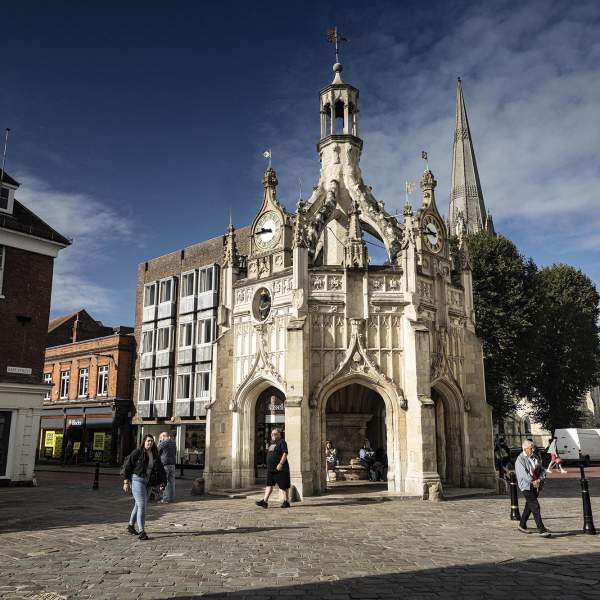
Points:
[[395, 427], [448, 436]]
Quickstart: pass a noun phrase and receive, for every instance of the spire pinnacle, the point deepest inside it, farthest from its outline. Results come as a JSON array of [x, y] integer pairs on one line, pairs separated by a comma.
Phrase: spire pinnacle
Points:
[[466, 196]]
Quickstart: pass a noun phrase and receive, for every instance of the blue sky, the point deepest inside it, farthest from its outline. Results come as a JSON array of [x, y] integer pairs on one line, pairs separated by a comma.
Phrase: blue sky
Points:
[[137, 126]]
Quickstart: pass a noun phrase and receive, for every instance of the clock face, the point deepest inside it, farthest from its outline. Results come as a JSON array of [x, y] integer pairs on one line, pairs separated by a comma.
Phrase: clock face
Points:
[[268, 230], [432, 233]]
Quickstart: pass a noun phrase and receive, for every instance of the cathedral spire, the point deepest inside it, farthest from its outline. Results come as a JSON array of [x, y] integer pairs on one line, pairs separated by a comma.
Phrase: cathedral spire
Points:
[[466, 197]]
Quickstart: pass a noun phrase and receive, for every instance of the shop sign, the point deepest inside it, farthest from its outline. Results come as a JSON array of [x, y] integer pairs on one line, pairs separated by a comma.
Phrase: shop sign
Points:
[[49, 439], [99, 440], [76, 447], [76, 422], [58, 440], [19, 370]]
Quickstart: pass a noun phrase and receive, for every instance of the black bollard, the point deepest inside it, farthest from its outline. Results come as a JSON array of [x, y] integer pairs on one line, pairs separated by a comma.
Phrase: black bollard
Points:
[[515, 515], [96, 476], [588, 517], [181, 470]]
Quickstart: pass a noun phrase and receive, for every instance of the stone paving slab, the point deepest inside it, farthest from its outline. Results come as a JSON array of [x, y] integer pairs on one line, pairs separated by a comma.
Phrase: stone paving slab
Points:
[[63, 539]]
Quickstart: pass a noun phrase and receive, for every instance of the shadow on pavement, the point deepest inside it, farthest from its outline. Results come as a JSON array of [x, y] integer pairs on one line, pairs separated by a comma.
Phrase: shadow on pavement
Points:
[[550, 577]]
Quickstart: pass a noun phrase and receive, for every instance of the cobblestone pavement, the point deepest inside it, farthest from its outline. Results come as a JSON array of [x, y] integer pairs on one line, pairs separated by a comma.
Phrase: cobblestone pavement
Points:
[[64, 540]]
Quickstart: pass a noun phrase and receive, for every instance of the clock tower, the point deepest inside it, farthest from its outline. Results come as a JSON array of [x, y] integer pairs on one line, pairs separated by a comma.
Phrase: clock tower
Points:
[[271, 236]]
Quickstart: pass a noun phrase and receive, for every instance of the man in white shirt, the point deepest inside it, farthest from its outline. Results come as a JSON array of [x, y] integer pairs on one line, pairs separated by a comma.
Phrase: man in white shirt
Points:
[[530, 477]]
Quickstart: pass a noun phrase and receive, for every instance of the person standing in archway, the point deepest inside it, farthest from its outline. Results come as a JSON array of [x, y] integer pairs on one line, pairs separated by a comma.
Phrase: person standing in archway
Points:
[[278, 470]]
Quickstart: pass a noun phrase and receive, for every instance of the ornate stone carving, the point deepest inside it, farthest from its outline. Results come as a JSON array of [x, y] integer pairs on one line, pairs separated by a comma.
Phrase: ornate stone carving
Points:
[[261, 367], [425, 290], [376, 284], [334, 282], [317, 282], [358, 361]]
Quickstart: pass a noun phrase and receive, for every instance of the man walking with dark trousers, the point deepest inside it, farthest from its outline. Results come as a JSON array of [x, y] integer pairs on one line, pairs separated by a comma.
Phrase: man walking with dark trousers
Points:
[[530, 477], [278, 470]]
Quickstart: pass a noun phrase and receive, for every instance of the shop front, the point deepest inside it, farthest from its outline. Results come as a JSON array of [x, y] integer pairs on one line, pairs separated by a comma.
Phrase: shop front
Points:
[[81, 435]]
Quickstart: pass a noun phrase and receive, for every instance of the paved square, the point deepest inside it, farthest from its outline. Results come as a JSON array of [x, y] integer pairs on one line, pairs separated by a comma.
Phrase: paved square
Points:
[[64, 540]]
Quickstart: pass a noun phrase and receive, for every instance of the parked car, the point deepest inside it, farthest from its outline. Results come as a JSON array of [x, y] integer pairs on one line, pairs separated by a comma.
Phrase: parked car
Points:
[[573, 443]]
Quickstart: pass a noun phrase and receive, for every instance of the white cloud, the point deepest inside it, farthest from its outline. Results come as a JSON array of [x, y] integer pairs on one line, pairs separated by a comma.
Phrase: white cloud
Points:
[[531, 79], [94, 226]]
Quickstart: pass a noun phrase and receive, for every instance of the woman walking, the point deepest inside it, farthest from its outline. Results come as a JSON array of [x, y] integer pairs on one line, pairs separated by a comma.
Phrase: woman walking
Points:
[[141, 470], [555, 459]]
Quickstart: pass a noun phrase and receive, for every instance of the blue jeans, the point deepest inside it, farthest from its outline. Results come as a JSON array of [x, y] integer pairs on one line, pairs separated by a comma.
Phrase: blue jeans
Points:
[[139, 489], [169, 494]]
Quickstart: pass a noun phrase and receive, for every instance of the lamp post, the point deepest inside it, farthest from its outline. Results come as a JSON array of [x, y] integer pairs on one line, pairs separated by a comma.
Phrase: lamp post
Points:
[[588, 517]]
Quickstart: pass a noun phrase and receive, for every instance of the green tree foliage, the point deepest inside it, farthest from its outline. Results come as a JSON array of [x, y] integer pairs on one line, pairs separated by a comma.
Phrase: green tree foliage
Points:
[[505, 314], [566, 345]]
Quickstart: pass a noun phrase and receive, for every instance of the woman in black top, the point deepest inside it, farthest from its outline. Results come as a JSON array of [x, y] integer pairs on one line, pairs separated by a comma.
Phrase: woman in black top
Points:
[[278, 470], [143, 468]]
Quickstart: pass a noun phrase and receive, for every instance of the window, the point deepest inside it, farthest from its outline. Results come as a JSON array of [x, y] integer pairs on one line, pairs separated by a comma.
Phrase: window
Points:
[[150, 295], [4, 196], [82, 387], [64, 384], [47, 381], [186, 335], [203, 384], [145, 393], [205, 331], [163, 338], [183, 386], [2, 256], [147, 341], [102, 380], [205, 280], [161, 389], [166, 290], [187, 284]]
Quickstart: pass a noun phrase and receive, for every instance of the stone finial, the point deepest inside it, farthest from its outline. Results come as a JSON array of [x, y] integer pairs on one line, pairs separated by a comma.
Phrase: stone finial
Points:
[[231, 257], [270, 178], [428, 184], [300, 240], [355, 251]]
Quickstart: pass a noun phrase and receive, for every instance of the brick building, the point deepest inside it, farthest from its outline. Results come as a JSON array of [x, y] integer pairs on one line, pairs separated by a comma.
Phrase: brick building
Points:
[[177, 296], [87, 411], [28, 247]]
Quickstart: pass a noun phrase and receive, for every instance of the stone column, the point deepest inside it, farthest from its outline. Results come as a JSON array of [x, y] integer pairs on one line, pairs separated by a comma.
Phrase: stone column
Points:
[[297, 411], [421, 471]]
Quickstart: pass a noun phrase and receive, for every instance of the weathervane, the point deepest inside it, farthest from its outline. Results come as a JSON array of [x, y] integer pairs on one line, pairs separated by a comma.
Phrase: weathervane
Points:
[[268, 154], [333, 37]]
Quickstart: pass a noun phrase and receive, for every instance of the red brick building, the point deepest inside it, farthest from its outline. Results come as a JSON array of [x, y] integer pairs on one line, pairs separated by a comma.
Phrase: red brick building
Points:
[[87, 411], [28, 247]]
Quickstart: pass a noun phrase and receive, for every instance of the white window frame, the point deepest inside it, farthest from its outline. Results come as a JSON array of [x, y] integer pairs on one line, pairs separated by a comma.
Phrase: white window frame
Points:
[[145, 334], [201, 330], [169, 340], [102, 377], [163, 282], [83, 378], [142, 388], [203, 279], [182, 345], [184, 277], [165, 381], [200, 376], [65, 381], [146, 288], [2, 261], [180, 379], [47, 381]]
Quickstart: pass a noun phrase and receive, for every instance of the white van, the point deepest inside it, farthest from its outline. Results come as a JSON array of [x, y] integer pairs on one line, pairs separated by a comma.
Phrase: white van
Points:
[[570, 442]]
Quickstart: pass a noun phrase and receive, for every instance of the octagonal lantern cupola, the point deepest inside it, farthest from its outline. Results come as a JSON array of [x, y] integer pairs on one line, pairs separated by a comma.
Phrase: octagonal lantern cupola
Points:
[[339, 112]]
